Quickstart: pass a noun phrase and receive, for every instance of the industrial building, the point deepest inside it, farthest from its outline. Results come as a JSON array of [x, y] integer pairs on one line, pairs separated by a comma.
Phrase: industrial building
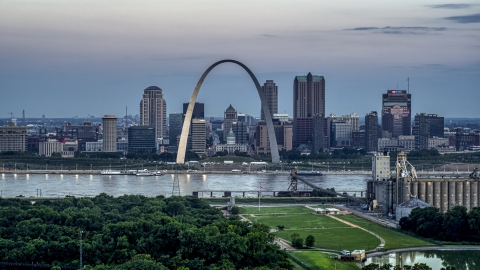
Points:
[[441, 191]]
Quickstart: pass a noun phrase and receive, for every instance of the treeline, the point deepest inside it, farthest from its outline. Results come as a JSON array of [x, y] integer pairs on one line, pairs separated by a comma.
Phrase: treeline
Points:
[[457, 224], [133, 232]]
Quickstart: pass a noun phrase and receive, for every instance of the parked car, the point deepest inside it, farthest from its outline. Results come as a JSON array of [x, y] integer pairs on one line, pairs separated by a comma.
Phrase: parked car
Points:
[[345, 253]]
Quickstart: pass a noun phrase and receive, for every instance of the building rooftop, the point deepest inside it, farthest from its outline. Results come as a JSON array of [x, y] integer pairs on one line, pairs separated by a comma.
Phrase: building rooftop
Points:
[[153, 88], [414, 203]]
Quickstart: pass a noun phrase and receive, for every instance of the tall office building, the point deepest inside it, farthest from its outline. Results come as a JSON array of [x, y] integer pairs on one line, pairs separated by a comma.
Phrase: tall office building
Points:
[[153, 111], [199, 136], [198, 110], [109, 133], [239, 128], [318, 132], [396, 113], [426, 126], [230, 116], [308, 100], [371, 132], [175, 125], [270, 92], [13, 138], [141, 138], [341, 128]]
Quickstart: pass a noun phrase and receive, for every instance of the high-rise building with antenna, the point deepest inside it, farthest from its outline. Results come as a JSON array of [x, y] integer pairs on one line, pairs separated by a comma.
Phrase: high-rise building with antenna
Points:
[[396, 113]]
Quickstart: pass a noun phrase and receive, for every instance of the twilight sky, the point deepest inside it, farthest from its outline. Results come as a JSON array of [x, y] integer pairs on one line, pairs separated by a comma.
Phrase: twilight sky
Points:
[[75, 58]]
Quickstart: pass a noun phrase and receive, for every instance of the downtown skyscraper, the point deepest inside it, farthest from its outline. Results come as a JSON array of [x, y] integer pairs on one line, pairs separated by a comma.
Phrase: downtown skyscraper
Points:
[[270, 92], [308, 101], [153, 111], [396, 113]]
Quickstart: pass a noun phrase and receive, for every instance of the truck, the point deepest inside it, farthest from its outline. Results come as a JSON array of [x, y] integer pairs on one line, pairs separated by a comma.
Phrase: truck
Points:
[[359, 255]]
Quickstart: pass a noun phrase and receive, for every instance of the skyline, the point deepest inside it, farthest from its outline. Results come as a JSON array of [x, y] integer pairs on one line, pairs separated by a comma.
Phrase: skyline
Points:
[[68, 58]]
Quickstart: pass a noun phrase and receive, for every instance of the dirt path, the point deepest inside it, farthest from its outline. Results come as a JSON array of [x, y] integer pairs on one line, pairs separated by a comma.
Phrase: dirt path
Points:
[[382, 241]]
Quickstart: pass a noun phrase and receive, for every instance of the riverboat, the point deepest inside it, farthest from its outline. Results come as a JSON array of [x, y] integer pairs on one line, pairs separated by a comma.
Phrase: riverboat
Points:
[[109, 172]]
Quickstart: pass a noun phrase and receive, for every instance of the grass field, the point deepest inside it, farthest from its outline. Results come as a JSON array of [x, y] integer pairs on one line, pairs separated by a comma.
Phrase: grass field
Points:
[[317, 260], [393, 239], [328, 233], [267, 210], [346, 238]]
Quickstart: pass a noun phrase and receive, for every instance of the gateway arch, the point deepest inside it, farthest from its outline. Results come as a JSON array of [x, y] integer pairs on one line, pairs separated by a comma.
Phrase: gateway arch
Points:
[[182, 148]]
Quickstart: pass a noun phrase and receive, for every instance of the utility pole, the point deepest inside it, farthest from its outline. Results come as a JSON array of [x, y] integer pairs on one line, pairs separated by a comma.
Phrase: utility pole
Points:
[[81, 251]]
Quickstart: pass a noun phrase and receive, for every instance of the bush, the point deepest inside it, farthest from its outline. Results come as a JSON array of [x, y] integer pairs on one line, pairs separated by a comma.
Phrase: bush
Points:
[[310, 241], [297, 242]]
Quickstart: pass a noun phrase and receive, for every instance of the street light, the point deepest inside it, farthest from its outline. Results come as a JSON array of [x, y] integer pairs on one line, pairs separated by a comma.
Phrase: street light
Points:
[[81, 251]]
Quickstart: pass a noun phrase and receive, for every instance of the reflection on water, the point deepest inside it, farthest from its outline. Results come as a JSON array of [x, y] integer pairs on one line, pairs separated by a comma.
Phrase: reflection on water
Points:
[[91, 185], [460, 259]]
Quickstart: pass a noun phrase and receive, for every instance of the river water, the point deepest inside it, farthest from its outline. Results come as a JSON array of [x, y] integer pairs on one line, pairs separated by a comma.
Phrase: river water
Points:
[[54, 185], [436, 259]]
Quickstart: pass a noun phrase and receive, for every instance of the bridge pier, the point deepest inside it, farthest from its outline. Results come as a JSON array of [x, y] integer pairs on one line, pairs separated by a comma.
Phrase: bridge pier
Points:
[[211, 194], [244, 194]]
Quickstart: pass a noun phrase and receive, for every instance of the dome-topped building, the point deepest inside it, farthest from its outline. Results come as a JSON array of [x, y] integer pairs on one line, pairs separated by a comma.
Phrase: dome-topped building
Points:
[[231, 146], [153, 87], [231, 137], [230, 116], [153, 111]]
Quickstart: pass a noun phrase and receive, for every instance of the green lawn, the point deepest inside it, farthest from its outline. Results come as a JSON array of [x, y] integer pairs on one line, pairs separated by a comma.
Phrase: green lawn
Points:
[[268, 210], [317, 260], [346, 238], [297, 221], [393, 239], [329, 233]]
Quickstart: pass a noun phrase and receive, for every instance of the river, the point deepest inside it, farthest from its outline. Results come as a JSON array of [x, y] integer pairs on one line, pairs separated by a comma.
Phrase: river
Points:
[[436, 259], [58, 185]]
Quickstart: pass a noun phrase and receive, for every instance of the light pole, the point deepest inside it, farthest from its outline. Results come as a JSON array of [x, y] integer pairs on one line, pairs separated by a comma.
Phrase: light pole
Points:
[[81, 251], [259, 194], [3, 167], [46, 167]]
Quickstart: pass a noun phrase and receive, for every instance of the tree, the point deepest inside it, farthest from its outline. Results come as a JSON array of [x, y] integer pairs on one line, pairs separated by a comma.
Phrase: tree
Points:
[[310, 241], [235, 210], [455, 223], [474, 223], [297, 242]]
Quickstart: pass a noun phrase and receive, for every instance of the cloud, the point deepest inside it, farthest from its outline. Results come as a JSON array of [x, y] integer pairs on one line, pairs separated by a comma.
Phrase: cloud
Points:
[[415, 30], [268, 35], [451, 6], [474, 18]]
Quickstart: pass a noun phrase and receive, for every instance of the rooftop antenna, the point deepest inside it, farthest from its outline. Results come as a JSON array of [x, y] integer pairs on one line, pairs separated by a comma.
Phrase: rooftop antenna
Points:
[[23, 116], [408, 81], [11, 115]]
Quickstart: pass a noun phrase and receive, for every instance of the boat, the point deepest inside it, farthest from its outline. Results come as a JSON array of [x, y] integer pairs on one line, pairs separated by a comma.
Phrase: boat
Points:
[[110, 172], [144, 172], [158, 173], [309, 173]]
